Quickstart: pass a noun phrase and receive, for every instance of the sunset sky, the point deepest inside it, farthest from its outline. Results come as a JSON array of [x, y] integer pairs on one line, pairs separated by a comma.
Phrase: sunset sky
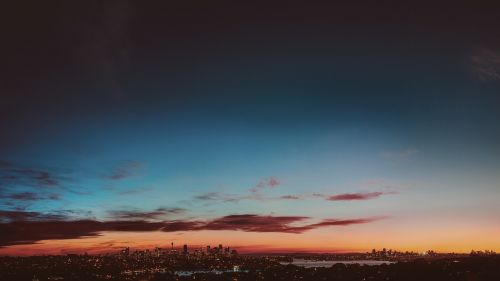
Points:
[[297, 127]]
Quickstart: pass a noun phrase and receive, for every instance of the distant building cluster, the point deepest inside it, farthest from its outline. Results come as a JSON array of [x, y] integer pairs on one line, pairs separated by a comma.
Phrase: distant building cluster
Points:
[[209, 251]]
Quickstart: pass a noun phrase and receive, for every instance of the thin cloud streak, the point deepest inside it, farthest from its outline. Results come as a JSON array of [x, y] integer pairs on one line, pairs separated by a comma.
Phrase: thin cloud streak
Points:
[[290, 197], [135, 191], [26, 176], [125, 170], [357, 196], [158, 213], [8, 216], [30, 196], [271, 182]]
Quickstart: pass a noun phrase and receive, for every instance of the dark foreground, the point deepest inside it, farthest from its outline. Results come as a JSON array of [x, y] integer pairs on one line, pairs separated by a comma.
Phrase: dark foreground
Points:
[[90, 268]]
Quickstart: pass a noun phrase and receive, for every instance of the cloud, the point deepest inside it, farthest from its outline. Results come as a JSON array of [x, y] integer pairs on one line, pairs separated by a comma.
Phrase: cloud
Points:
[[7, 216], [29, 232], [357, 196], [30, 227], [254, 223], [485, 64], [16, 233], [23, 216], [21, 186], [334, 222], [24, 176], [29, 196], [209, 196], [254, 193], [180, 225], [135, 191], [272, 182], [144, 215], [219, 196], [290, 197], [46, 178], [266, 183], [125, 170], [400, 154]]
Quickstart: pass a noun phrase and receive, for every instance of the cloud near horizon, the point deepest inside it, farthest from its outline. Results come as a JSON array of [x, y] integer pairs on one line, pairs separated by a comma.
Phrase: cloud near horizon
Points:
[[30, 227]]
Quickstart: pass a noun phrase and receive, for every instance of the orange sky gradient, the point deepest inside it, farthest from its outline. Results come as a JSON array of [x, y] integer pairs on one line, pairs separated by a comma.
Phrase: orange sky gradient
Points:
[[360, 238]]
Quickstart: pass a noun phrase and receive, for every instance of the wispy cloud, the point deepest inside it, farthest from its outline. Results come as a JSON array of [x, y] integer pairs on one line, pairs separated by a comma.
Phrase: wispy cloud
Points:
[[485, 64], [209, 196], [27, 176], [357, 196], [125, 170], [30, 196], [290, 197], [135, 191], [159, 213], [21, 186], [253, 193], [271, 182], [7, 216], [225, 197], [345, 222]]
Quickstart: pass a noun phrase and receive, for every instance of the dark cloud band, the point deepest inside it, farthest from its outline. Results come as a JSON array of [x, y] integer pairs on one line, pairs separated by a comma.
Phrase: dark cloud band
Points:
[[30, 227]]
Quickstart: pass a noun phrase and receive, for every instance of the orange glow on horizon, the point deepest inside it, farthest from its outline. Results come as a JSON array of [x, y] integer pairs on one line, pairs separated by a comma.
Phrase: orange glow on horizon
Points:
[[354, 239]]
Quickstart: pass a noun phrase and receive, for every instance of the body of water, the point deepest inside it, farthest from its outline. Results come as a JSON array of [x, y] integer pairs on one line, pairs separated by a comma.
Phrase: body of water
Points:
[[327, 263], [191, 272]]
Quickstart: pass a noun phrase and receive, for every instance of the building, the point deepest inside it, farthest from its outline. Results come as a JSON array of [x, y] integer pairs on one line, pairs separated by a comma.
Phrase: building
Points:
[[125, 252], [158, 252]]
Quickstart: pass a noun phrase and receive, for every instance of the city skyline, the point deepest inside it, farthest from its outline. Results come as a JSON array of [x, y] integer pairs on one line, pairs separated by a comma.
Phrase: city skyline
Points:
[[327, 127]]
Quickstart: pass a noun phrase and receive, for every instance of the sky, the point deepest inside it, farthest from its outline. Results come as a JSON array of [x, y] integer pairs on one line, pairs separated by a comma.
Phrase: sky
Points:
[[301, 127]]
